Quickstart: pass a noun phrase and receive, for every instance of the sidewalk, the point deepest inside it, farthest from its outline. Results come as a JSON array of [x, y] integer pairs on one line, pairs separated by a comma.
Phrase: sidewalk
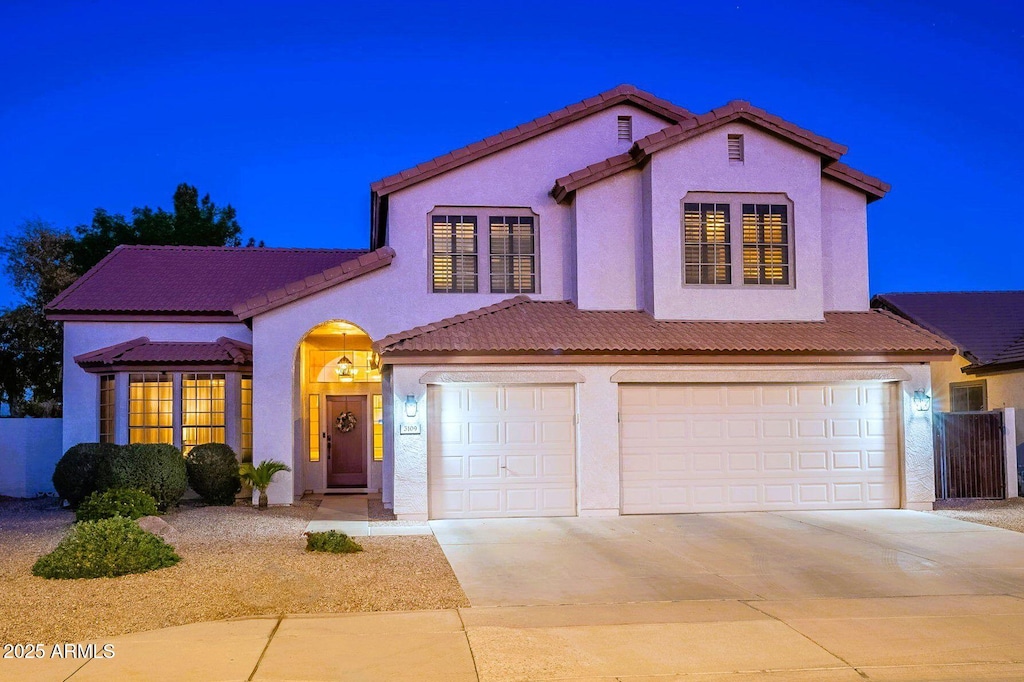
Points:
[[349, 514], [832, 640]]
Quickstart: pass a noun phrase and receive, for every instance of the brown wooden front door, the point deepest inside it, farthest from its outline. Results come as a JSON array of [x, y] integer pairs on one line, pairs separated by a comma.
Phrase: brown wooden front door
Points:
[[346, 450]]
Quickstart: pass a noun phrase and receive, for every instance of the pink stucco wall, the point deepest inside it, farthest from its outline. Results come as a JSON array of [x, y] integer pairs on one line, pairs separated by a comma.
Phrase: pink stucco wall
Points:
[[844, 247]]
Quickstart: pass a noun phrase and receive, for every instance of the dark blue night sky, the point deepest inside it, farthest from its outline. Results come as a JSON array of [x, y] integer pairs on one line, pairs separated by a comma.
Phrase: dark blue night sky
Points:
[[288, 111]]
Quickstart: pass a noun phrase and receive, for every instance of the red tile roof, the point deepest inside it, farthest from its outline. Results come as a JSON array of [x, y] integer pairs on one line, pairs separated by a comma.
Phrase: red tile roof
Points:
[[623, 94], [223, 352], [520, 325], [986, 326], [293, 291], [193, 280], [734, 111]]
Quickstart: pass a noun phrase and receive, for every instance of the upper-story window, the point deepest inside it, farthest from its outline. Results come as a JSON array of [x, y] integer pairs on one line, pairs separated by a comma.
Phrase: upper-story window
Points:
[[513, 255], [763, 231], [508, 249], [454, 258]]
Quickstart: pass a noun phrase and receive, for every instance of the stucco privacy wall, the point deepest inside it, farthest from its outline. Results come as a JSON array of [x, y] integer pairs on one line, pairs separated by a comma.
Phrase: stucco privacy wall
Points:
[[844, 247], [702, 165], [29, 450], [607, 220], [597, 397], [1005, 389], [521, 176], [81, 389]]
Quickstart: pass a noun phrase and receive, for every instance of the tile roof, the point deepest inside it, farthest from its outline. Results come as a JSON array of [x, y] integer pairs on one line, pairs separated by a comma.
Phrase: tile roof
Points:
[[195, 280], [142, 351], [520, 325], [986, 326], [737, 110], [622, 94], [293, 291]]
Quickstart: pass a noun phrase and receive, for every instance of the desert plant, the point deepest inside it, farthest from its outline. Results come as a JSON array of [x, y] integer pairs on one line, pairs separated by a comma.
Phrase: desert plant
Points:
[[155, 468], [74, 477], [331, 541], [260, 476], [213, 473], [128, 503], [104, 549]]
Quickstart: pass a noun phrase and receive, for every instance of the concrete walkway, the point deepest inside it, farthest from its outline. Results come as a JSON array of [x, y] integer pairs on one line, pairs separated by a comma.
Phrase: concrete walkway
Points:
[[834, 640], [349, 514]]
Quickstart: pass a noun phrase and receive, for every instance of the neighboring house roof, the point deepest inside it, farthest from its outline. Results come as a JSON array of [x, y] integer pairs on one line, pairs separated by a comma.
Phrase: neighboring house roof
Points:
[[986, 326], [623, 94], [521, 325], [141, 353], [200, 281], [734, 111]]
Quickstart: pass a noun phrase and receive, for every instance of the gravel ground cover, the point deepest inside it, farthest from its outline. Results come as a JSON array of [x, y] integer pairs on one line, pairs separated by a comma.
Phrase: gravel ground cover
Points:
[[236, 561], [1008, 514]]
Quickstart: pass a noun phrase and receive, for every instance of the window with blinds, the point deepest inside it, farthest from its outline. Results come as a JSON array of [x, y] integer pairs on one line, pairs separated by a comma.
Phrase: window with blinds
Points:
[[766, 244], [150, 408], [107, 407], [706, 250], [202, 410], [246, 435], [513, 255], [454, 253]]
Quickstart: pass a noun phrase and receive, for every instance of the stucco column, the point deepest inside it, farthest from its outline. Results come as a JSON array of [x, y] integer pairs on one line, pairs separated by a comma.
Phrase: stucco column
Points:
[[387, 486], [598, 443], [272, 408], [233, 410], [918, 445], [410, 450]]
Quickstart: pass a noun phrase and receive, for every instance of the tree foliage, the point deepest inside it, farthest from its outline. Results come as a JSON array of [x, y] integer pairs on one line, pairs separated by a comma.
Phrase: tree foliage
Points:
[[42, 260]]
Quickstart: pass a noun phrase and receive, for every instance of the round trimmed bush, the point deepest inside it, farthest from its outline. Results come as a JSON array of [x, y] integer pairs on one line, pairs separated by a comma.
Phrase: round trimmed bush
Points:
[[74, 477], [213, 473], [155, 468], [104, 549], [127, 503]]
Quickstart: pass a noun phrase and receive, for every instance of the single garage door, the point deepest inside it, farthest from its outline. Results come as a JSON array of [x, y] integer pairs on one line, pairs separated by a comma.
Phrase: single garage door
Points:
[[501, 451], [742, 447]]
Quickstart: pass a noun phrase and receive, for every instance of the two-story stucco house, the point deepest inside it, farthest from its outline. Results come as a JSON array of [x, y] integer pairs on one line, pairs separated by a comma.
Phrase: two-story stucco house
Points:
[[618, 308]]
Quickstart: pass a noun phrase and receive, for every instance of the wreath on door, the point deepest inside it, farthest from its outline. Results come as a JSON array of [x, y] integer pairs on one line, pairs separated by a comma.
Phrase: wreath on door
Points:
[[346, 422]]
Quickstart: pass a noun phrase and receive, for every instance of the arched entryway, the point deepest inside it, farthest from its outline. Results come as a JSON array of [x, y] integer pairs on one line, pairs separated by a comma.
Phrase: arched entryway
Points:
[[340, 445]]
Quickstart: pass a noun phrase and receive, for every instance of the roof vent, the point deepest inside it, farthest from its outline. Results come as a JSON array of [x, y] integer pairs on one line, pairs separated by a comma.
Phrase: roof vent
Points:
[[735, 149], [626, 128]]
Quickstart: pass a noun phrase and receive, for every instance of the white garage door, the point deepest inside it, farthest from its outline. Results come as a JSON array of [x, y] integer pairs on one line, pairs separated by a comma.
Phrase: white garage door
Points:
[[501, 450], [740, 447]]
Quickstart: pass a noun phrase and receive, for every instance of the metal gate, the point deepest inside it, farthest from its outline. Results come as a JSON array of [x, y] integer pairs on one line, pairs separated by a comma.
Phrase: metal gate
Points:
[[969, 457]]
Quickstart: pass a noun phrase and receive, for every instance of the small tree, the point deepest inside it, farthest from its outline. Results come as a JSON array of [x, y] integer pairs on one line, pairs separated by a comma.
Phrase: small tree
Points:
[[260, 476]]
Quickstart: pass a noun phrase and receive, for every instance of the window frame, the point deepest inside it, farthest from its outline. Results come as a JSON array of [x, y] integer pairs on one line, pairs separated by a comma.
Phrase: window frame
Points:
[[736, 201], [161, 378], [483, 215], [510, 256], [967, 385], [455, 255], [245, 421], [107, 412], [197, 413]]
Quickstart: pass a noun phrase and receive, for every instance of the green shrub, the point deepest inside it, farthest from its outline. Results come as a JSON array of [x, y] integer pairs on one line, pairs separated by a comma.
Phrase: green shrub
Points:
[[104, 549], [331, 541], [125, 502], [74, 477], [213, 473], [155, 468]]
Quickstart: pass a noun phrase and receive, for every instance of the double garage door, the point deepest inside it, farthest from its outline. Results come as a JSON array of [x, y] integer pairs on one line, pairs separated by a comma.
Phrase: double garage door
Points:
[[510, 450]]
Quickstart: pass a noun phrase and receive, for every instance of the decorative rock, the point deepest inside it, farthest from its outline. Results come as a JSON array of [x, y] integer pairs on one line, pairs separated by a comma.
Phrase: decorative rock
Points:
[[157, 526]]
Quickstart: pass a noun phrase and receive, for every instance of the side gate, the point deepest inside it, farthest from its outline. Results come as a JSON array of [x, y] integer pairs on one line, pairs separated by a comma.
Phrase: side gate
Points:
[[970, 457]]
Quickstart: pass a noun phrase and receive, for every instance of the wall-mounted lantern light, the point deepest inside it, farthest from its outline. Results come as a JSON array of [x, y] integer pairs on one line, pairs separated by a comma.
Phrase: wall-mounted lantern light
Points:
[[411, 406], [922, 401]]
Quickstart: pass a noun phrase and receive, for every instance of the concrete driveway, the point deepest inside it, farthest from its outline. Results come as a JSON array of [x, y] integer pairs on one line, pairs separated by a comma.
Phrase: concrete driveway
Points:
[[755, 556]]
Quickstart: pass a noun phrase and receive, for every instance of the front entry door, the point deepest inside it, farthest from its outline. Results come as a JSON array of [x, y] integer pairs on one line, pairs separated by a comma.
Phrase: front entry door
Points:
[[346, 441]]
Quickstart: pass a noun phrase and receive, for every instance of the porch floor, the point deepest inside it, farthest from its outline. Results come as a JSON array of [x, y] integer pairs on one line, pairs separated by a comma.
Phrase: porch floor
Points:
[[349, 514]]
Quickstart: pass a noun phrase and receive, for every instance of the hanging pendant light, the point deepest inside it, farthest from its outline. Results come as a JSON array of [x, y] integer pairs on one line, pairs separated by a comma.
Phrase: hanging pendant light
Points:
[[344, 368]]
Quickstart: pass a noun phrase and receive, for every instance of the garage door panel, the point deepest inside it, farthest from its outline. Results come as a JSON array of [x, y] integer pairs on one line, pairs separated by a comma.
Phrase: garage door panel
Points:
[[502, 451], [775, 446]]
